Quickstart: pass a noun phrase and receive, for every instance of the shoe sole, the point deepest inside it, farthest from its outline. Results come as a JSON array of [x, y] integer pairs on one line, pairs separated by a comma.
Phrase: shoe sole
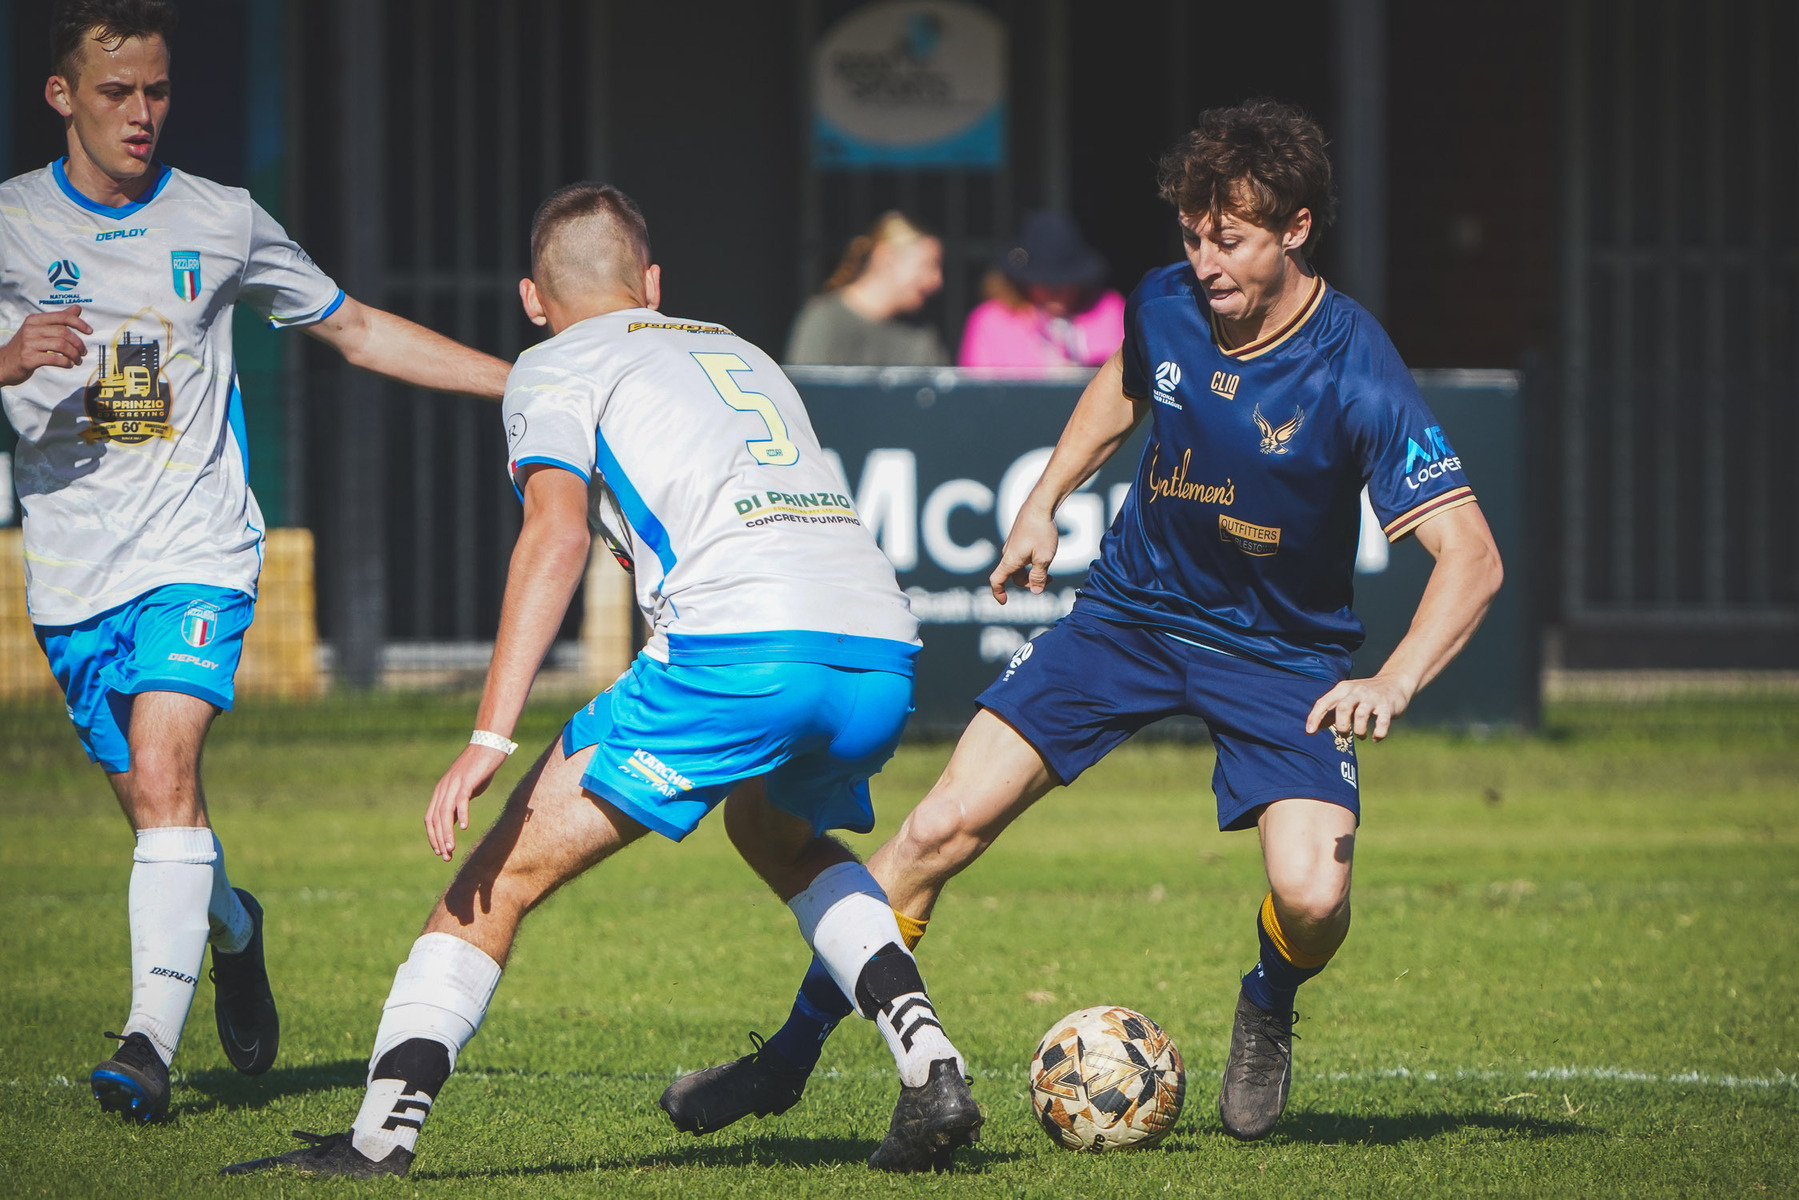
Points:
[[940, 1157], [122, 1094]]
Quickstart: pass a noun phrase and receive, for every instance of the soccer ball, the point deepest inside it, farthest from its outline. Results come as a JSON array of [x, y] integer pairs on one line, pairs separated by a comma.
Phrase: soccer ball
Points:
[[1107, 1079]]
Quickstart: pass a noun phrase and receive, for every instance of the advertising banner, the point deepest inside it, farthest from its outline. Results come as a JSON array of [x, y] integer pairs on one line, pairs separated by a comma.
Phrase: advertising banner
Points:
[[910, 84], [939, 463]]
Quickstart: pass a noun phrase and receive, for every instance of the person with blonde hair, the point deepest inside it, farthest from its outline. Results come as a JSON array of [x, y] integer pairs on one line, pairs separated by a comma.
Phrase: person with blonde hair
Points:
[[885, 274]]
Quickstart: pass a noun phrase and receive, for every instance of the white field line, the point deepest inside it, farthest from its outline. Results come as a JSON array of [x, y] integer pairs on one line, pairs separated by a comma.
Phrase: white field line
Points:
[[1780, 1080]]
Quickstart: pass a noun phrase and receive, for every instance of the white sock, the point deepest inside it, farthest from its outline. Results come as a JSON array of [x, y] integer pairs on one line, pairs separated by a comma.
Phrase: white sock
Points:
[[439, 997], [225, 913], [847, 921], [171, 880]]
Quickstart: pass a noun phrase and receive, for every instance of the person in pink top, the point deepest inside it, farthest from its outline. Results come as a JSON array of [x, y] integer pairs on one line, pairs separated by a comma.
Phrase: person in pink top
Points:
[[1047, 303]]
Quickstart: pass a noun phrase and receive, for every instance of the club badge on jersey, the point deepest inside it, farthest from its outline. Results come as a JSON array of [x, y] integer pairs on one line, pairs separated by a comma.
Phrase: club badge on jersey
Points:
[[186, 267]]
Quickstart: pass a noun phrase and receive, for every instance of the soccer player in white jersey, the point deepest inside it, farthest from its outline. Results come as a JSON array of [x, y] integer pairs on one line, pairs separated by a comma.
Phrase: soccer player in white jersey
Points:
[[118, 276], [778, 672]]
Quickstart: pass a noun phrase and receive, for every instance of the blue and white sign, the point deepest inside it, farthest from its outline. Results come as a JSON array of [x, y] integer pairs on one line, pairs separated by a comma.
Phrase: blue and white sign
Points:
[[908, 84]]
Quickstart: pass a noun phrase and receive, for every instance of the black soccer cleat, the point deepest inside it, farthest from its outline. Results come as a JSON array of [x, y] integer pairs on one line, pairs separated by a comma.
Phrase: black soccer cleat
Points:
[[134, 1082], [243, 1005], [929, 1123], [327, 1154], [1258, 1073], [760, 1084]]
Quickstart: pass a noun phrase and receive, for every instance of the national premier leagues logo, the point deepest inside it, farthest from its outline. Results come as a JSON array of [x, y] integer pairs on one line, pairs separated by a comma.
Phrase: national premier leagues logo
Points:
[[199, 625], [64, 275], [186, 267]]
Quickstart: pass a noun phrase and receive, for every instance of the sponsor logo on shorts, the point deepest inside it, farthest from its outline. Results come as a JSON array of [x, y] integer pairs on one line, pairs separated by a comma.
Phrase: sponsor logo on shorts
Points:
[[658, 774], [166, 973], [199, 624], [1259, 540], [1347, 770]]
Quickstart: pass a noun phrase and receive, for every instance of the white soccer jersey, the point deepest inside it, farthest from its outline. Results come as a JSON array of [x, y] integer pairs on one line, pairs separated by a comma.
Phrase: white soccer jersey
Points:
[[707, 480], [132, 467]]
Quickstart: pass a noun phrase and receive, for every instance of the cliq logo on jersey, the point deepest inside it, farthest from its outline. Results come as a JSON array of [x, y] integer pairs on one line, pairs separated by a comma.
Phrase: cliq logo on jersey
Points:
[[186, 267]]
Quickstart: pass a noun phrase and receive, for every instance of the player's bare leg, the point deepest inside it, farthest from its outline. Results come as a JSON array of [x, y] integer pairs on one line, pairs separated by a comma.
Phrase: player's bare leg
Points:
[[180, 899], [1308, 847], [992, 777], [549, 832]]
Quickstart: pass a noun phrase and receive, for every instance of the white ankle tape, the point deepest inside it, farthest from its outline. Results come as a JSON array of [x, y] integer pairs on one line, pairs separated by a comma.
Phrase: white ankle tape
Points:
[[175, 844]]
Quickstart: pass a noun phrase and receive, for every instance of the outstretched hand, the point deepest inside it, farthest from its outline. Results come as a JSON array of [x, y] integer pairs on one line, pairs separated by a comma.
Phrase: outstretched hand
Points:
[[1030, 549], [1365, 706], [467, 778], [44, 339]]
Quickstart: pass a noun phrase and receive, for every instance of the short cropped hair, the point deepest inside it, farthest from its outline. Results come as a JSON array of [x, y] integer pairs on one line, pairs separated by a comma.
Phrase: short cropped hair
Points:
[[73, 22], [586, 235], [1263, 160]]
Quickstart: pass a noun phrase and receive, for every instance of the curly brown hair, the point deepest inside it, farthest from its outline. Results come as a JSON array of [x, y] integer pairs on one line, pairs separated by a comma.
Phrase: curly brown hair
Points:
[[1261, 159]]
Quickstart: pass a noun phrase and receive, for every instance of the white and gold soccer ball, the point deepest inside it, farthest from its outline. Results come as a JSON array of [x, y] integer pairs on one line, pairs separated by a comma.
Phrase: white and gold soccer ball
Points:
[[1107, 1079]]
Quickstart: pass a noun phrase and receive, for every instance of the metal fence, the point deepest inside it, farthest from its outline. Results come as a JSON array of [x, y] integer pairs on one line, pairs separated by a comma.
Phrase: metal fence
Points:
[[1680, 309]]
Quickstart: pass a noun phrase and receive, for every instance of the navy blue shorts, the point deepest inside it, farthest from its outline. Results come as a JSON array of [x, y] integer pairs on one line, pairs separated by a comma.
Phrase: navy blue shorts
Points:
[[1079, 689]]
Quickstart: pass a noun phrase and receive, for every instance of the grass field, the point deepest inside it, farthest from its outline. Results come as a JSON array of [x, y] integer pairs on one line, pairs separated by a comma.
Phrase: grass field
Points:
[[1573, 971]]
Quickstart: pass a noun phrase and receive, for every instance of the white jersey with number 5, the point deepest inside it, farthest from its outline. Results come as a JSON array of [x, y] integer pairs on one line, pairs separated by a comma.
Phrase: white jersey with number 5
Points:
[[133, 466], [707, 480]]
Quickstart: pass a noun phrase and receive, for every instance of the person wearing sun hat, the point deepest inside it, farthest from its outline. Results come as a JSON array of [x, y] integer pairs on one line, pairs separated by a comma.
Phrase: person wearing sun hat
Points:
[[1047, 303]]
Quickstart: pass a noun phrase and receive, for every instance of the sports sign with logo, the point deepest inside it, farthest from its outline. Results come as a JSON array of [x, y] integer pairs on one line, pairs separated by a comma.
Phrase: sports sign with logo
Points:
[[910, 84], [186, 267]]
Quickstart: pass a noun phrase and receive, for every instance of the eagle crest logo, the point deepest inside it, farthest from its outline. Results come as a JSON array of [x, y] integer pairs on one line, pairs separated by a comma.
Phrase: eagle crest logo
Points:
[[1275, 439]]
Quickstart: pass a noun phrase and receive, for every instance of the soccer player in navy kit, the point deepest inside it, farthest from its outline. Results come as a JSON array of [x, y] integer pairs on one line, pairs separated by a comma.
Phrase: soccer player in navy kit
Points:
[[1222, 590]]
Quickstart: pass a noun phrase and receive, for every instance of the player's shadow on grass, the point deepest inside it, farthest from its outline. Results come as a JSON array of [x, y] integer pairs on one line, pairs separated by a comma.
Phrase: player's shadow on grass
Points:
[[227, 1089], [775, 1151], [1351, 1129]]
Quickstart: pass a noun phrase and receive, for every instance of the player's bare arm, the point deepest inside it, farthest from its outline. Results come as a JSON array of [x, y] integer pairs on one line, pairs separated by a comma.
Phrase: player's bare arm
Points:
[[547, 565], [1462, 585], [45, 339], [1102, 420], [379, 341]]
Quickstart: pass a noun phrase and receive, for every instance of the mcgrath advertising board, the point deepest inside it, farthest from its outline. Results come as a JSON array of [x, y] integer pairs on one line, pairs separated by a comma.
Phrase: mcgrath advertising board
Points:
[[909, 84], [938, 464]]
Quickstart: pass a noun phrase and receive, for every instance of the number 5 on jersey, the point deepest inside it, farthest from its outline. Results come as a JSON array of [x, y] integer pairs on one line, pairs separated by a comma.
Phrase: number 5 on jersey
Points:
[[775, 450]]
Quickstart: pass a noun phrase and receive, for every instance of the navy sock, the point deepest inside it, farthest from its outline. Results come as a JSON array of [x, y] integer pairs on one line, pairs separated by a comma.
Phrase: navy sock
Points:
[[817, 1009], [1274, 983]]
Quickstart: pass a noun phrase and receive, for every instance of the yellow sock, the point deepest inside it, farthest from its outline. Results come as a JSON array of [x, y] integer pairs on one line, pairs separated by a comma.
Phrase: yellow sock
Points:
[[1272, 925], [911, 928]]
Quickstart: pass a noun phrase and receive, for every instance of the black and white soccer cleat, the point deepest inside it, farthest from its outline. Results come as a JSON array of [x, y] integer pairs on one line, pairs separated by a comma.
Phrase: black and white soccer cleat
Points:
[[134, 1082], [327, 1155], [760, 1084], [243, 1005], [1258, 1073], [929, 1123]]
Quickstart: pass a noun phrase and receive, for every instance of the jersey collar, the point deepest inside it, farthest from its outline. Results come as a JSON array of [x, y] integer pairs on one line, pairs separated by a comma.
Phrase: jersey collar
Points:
[[123, 210], [1267, 342]]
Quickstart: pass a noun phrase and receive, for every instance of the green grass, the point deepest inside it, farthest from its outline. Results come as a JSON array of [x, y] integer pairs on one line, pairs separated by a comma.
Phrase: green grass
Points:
[[1573, 972]]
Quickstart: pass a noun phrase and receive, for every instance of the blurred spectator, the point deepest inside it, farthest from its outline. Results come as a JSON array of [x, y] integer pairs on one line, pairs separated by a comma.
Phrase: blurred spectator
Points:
[[1047, 303], [889, 271]]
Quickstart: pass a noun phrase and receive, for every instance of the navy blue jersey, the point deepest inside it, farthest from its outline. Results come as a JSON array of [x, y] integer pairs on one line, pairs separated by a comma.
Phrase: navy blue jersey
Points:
[[1240, 532]]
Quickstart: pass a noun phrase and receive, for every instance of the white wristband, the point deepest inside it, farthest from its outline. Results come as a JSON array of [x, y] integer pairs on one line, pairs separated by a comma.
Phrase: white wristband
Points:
[[493, 741]]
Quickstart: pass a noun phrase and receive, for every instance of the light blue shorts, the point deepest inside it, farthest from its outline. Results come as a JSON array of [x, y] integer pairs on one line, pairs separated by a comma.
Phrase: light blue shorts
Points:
[[184, 637], [672, 741]]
